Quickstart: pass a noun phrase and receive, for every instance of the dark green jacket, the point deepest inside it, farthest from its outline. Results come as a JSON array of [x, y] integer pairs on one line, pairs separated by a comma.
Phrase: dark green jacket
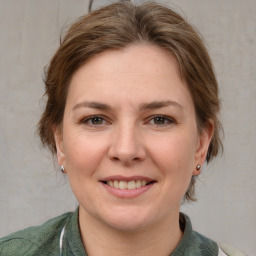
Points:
[[45, 240]]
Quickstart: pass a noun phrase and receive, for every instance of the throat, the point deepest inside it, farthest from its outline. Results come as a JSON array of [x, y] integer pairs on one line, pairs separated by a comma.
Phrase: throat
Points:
[[157, 239]]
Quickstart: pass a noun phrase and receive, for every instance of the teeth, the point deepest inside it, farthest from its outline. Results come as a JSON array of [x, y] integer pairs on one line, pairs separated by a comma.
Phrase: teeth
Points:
[[123, 185], [116, 184], [127, 185], [138, 184], [131, 184]]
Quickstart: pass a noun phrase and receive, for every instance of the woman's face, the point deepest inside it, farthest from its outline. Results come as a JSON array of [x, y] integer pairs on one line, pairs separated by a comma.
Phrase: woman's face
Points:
[[129, 141]]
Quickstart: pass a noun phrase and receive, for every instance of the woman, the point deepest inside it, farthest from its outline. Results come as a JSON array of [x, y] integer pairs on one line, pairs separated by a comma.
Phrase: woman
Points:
[[131, 116]]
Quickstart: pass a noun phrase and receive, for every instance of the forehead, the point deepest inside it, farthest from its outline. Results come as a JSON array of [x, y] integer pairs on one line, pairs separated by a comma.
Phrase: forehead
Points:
[[138, 70], [141, 57]]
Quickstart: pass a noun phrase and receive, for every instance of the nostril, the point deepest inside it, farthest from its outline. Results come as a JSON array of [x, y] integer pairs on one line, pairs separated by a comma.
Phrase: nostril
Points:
[[125, 161], [114, 158], [135, 159]]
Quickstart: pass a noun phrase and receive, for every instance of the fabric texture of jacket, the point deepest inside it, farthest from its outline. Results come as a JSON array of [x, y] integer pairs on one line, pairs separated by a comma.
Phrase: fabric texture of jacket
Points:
[[61, 236]]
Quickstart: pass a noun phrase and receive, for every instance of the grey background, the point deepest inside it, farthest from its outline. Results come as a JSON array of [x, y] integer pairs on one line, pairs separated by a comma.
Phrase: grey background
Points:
[[31, 191]]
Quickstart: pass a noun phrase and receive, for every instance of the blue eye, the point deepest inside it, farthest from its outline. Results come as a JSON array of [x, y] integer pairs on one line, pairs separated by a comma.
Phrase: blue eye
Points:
[[161, 120]]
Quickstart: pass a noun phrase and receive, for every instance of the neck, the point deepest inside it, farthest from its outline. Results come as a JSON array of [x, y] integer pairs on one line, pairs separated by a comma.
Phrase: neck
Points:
[[159, 238]]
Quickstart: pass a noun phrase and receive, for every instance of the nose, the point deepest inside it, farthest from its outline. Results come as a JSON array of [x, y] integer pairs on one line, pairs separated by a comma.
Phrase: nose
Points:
[[127, 145]]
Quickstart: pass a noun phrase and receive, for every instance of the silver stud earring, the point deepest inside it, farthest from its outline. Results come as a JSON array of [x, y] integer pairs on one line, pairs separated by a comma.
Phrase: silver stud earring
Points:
[[62, 169], [198, 167]]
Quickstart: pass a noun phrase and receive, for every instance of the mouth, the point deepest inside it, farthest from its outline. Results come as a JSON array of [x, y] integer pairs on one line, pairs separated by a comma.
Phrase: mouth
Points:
[[128, 185]]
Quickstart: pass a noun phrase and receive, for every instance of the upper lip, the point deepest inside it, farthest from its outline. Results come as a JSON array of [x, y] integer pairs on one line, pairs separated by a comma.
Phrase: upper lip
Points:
[[127, 179]]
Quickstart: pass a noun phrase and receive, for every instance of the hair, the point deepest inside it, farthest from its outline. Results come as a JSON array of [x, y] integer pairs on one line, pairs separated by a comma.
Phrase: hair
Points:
[[117, 26]]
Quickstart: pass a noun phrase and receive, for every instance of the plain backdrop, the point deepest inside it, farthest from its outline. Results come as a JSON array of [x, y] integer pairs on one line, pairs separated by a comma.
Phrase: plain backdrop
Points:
[[32, 190]]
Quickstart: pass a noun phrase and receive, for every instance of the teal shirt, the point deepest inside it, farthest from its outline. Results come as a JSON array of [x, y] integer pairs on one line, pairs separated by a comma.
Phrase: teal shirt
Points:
[[44, 240]]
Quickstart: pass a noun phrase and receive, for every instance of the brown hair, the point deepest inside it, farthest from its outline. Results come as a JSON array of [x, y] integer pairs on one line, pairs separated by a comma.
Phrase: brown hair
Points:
[[121, 24]]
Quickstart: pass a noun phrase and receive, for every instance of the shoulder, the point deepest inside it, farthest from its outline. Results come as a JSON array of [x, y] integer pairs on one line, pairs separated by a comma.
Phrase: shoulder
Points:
[[208, 245], [205, 244], [225, 249], [198, 244], [34, 239], [193, 243]]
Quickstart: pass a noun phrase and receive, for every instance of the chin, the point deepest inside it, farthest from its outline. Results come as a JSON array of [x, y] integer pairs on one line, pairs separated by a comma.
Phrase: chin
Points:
[[128, 220], [127, 225]]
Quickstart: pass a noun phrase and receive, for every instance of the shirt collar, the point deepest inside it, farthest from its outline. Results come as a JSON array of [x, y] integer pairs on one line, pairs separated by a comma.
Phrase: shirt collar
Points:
[[192, 243]]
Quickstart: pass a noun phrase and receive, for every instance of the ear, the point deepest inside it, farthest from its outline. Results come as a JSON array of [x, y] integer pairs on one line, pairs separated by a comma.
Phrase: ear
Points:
[[57, 131], [204, 140]]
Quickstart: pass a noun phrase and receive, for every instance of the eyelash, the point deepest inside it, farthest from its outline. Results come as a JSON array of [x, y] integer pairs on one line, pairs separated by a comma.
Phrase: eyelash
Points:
[[165, 119], [89, 120]]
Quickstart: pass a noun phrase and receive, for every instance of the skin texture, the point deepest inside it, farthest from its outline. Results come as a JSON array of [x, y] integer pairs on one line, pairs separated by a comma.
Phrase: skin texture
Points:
[[131, 136]]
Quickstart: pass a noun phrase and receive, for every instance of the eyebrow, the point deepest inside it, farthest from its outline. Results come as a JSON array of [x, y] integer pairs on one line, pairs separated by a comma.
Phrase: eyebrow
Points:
[[160, 104], [144, 106], [92, 104]]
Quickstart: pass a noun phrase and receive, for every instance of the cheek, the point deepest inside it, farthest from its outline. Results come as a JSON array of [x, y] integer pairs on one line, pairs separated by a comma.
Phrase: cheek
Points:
[[83, 153], [174, 154], [174, 160]]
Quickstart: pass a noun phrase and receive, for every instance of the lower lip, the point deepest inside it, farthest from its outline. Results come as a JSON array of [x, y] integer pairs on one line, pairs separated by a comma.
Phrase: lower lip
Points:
[[127, 193]]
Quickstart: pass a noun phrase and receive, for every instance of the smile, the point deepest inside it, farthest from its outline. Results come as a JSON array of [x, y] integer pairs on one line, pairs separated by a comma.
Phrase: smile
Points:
[[127, 187], [132, 184]]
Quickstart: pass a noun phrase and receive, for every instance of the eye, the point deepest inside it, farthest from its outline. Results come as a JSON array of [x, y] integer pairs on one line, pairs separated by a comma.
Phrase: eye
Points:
[[161, 120], [94, 121]]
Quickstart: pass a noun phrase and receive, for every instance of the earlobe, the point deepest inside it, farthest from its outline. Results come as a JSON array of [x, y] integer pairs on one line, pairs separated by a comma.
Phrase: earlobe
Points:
[[59, 144], [197, 170], [205, 138]]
